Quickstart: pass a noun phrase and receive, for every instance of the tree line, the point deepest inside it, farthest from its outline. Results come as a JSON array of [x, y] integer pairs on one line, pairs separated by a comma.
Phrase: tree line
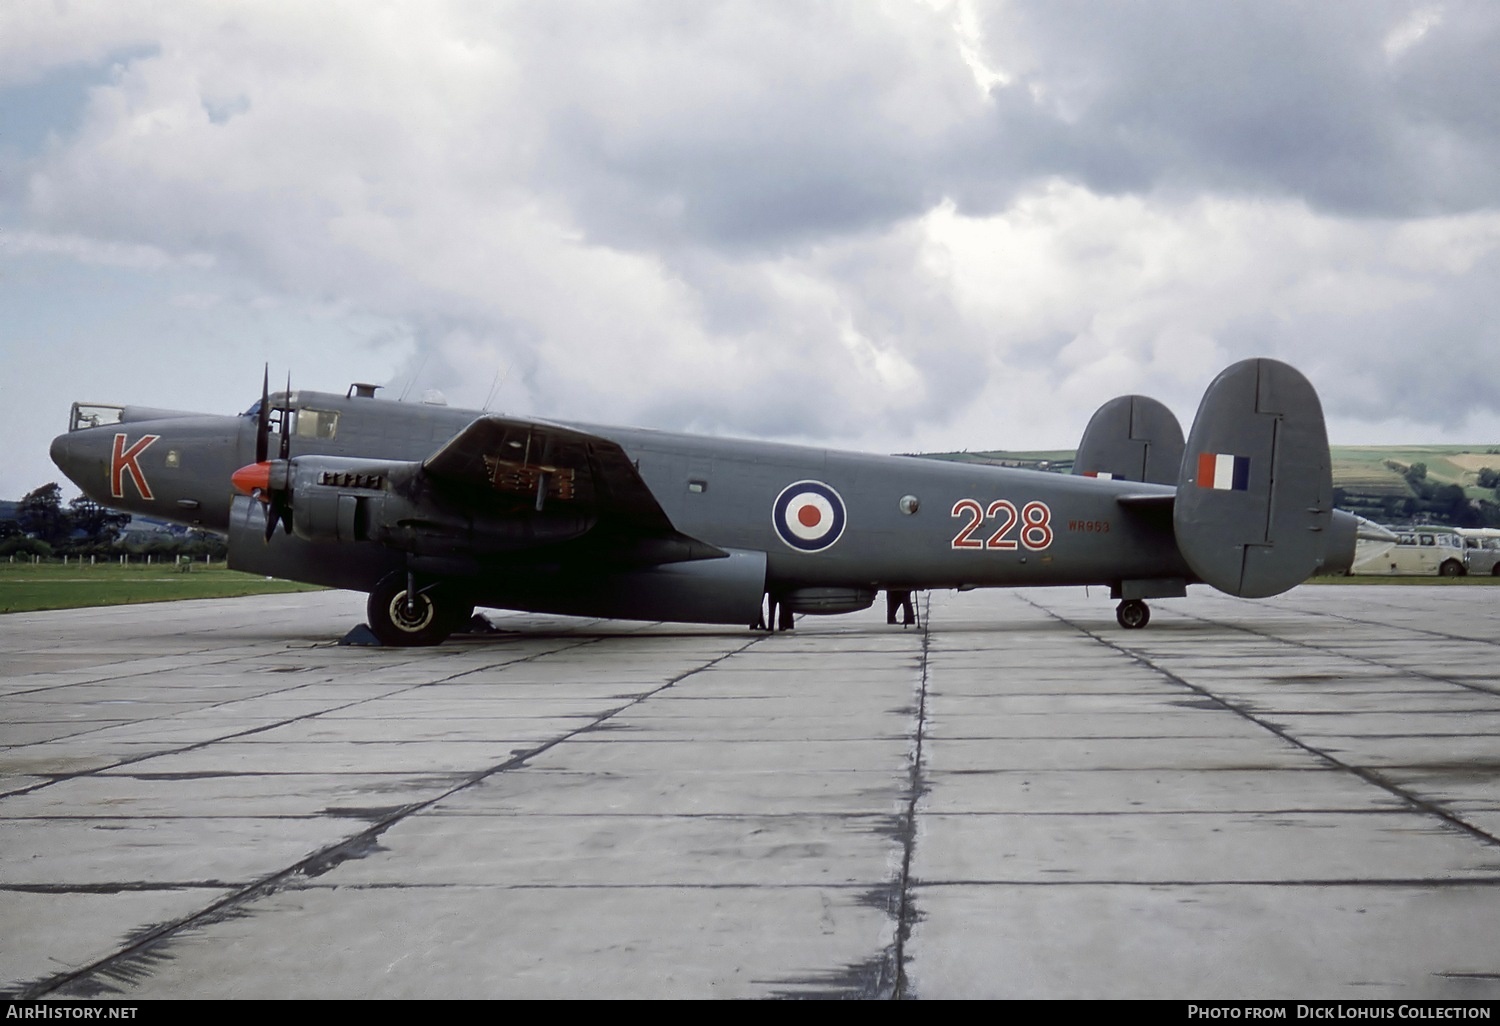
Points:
[[41, 525], [1428, 502]]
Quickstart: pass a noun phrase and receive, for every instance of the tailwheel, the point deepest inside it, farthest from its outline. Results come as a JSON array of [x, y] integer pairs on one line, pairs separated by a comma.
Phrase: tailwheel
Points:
[[1133, 614], [429, 616]]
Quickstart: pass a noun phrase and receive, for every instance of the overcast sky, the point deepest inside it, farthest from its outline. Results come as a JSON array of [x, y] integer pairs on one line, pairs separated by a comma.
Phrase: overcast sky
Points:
[[894, 226]]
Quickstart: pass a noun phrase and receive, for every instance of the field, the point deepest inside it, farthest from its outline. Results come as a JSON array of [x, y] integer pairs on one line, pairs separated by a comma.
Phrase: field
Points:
[[1362, 468], [29, 587]]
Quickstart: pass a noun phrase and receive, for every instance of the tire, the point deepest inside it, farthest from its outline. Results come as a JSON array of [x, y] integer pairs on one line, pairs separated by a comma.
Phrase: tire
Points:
[[1132, 614], [1451, 568], [430, 621]]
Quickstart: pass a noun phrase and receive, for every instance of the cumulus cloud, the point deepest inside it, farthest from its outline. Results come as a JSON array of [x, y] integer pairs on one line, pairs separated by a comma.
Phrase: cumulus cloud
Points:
[[1378, 109]]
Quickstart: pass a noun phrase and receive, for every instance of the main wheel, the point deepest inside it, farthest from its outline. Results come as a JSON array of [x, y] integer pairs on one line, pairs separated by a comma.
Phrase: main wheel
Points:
[[1451, 568], [1132, 614], [426, 620]]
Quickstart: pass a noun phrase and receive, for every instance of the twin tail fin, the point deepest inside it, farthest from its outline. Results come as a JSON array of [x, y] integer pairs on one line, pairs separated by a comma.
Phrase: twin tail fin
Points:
[[1254, 511], [1253, 514]]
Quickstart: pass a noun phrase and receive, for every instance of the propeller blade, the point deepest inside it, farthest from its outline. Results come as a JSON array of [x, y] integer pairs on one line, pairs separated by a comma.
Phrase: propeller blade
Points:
[[255, 479], [286, 420], [277, 513], [263, 420], [280, 512]]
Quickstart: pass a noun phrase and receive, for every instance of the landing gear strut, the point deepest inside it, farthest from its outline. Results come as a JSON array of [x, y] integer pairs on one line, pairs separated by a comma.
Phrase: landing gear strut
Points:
[[775, 615], [1132, 614], [899, 601]]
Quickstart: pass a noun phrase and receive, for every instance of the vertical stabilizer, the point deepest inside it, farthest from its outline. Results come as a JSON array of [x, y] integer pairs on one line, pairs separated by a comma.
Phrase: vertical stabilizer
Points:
[[1255, 495], [1131, 438]]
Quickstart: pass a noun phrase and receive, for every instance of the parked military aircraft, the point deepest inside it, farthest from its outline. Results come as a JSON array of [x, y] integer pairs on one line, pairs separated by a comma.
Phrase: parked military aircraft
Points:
[[434, 511]]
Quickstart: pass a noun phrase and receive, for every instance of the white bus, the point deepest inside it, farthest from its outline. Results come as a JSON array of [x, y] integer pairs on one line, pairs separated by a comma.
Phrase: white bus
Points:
[[1417, 551]]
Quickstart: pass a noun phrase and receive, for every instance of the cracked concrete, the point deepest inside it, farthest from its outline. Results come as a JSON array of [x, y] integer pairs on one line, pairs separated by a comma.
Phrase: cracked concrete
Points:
[[1295, 798]]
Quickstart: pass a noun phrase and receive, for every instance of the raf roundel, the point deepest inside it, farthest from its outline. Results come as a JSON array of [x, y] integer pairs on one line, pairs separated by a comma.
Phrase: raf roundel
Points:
[[808, 516]]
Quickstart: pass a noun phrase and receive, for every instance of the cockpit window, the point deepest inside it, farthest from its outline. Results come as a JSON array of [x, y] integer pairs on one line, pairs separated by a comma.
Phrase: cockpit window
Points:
[[306, 423], [316, 423], [92, 415]]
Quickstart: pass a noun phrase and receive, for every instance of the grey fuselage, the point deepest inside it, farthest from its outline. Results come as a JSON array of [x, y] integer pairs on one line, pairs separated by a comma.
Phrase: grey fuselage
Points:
[[908, 522]]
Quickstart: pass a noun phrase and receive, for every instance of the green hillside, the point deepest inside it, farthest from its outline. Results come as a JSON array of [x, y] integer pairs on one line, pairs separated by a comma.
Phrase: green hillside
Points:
[[1367, 469]]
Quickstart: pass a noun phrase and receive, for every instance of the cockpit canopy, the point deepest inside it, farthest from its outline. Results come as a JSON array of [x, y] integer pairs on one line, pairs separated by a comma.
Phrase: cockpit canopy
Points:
[[92, 415]]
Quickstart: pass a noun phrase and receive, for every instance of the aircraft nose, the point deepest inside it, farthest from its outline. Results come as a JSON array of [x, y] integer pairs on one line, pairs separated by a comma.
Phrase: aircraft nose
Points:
[[62, 453], [77, 459]]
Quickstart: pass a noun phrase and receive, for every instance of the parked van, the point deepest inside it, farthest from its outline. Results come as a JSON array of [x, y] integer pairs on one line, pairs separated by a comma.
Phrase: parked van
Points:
[[1481, 550]]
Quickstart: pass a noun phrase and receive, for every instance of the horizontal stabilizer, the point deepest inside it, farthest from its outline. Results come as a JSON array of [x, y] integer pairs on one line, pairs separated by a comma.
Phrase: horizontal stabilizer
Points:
[[1153, 501], [1369, 530], [1255, 494], [1131, 438]]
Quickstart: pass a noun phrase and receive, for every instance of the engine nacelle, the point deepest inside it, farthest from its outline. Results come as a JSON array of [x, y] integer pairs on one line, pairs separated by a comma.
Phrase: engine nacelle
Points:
[[338, 499], [334, 498]]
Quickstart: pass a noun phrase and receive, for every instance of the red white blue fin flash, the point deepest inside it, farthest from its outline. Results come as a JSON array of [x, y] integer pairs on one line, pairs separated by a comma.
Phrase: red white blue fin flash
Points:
[[1223, 471]]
